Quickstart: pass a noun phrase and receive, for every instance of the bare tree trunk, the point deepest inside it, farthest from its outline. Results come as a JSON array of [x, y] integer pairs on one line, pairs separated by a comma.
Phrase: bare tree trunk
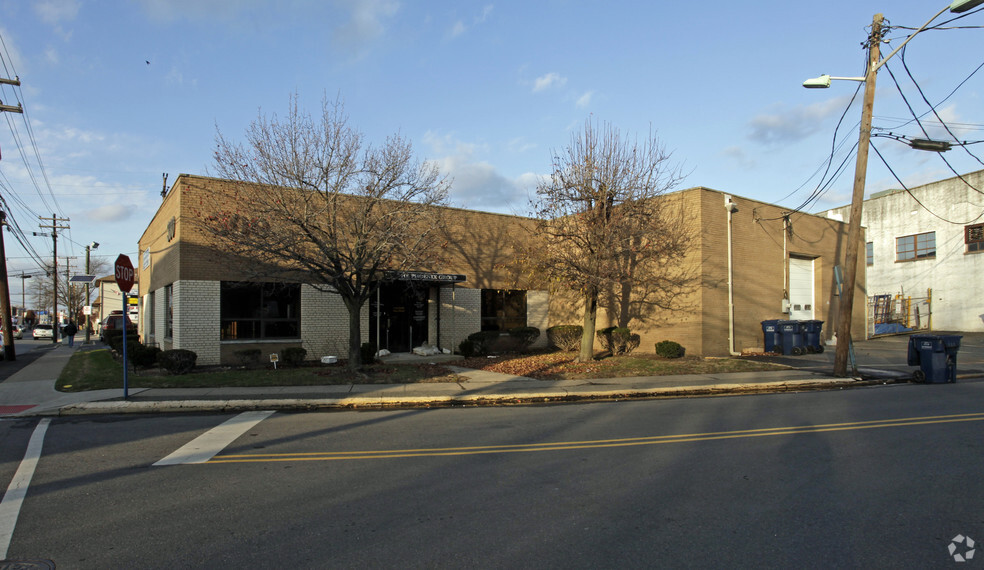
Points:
[[590, 320], [355, 333]]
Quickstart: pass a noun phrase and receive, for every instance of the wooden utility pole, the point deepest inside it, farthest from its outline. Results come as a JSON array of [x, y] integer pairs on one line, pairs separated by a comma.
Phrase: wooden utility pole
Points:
[[9, 353], [8, 330], [857, 201], [54, 227]]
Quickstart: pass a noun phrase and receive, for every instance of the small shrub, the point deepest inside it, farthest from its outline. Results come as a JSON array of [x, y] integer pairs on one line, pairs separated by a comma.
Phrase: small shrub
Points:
[[142, 355], [177, 361], [669, 349], [484, 341], [467, 348], [293, 355], [368, 352], [565, 337], [618, 340], [114, 339], [249, 358], [524, 336]]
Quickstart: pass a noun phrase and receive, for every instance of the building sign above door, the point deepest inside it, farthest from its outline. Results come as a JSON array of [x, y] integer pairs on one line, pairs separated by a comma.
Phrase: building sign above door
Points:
[[423, 276]]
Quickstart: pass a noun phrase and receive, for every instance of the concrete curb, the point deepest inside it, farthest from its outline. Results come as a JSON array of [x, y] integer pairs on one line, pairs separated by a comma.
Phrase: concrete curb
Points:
[[371, 402]]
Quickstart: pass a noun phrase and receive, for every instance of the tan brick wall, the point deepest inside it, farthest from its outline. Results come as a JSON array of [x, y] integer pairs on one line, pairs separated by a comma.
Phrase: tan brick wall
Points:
[[489, 250]]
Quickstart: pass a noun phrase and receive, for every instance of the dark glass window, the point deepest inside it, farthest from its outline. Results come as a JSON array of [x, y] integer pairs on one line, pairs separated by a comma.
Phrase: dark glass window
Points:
[[974, 238], [169, 311], [919, 246], [503, 309], [869, 253], [260, 310]]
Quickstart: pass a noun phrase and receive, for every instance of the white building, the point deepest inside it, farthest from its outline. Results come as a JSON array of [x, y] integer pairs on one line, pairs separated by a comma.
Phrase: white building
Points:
[[927, 244]]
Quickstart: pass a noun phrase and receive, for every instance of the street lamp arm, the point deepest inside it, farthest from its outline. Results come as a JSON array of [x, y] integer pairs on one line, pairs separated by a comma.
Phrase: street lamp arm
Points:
[[912, 35]]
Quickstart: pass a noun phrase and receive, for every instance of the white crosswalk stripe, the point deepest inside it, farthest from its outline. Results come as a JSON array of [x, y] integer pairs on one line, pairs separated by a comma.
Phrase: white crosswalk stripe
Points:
[[205, 446]]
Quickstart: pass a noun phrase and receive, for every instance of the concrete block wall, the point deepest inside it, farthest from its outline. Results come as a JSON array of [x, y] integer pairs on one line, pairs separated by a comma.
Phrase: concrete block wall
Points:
[[197, 321], [325, 324], [459, 317], [538, 314]]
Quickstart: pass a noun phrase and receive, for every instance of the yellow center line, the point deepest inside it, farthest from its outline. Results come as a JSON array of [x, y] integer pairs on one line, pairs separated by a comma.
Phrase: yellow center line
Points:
[[593, 444]]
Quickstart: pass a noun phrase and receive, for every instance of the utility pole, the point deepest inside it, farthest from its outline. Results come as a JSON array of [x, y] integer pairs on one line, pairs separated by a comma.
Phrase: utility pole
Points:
[[23, 276], [857, 201], [88, 294], [54, 227], [9, 353], [8, 333]]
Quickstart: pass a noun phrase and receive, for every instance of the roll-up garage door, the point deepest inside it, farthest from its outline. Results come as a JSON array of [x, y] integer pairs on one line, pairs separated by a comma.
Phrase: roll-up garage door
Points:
[[800, 288]]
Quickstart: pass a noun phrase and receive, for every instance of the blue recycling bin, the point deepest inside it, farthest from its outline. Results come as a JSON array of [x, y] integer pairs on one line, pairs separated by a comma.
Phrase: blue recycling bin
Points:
[[812, 333], [792, 338], [936, 357], [773, 338]]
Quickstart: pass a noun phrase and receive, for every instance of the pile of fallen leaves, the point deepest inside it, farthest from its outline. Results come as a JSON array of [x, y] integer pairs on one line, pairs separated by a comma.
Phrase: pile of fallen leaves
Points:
[[556, 365], [545, 366]]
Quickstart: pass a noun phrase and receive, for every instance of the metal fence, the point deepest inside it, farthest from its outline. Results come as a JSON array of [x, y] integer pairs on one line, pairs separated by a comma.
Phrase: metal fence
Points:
[[893, 314]]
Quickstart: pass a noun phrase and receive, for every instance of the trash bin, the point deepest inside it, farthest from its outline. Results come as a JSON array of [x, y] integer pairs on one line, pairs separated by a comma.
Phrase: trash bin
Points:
[[936, 357], [773, 338], [792, 337], [812, 331]]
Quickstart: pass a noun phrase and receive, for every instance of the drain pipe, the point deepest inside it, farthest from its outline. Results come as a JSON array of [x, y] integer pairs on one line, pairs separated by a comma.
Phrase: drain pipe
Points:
[[731, 207]]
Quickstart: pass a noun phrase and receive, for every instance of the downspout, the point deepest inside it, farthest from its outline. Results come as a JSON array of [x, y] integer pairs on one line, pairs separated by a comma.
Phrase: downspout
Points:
[[731, 207]]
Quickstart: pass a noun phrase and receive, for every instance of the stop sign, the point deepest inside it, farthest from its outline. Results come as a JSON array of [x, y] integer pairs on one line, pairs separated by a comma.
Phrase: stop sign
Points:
[[124, 273]]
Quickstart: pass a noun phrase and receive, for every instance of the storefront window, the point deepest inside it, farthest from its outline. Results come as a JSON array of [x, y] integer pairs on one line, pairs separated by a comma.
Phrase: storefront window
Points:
[[260, 311], [503, 309]]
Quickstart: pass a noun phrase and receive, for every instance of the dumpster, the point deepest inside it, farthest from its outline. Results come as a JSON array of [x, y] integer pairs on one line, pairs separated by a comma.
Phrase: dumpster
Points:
[[792, 338], [936, 357], [812, 331], [773, 338]]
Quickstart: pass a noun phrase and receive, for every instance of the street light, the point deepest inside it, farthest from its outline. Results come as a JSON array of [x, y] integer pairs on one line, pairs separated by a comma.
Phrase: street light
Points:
[[861, 169], [88, 318]]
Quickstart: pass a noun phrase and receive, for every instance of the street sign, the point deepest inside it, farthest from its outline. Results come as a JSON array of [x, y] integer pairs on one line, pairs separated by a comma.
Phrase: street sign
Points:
[[124, 273]]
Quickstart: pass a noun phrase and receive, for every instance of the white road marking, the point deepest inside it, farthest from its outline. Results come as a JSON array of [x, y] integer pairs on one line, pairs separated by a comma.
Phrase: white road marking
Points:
[[14, 497], [205, 446]]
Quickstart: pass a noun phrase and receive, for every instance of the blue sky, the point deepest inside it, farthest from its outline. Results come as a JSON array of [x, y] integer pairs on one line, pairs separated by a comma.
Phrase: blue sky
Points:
[[488, 90]]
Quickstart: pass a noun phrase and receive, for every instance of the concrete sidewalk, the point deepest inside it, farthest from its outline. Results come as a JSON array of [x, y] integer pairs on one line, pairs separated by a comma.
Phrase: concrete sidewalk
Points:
[[30, 390]]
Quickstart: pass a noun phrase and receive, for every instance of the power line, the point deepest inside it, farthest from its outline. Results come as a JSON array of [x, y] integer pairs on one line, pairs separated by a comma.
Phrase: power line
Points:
[[913, 196]]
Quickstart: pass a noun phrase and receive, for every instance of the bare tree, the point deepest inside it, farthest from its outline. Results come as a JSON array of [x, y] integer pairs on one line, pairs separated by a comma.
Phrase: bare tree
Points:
[[314, 203], [70, 295], [602, 219]]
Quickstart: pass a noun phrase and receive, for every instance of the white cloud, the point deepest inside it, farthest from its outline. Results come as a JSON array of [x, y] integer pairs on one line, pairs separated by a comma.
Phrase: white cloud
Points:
[[476, 183], [110, 213], [547, 81], [54, 12], [367, 21], [782, 125], [584, 100], [459, 27]]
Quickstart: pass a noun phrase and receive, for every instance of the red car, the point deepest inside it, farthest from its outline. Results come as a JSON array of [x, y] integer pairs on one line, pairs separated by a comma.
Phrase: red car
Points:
[[115, 323]]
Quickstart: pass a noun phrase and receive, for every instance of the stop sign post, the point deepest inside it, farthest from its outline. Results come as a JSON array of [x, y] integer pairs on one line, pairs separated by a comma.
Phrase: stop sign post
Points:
[[124, 280]]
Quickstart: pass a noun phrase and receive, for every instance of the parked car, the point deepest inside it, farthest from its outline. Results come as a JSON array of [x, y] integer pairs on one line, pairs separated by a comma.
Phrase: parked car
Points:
[[18, 331], [42, 331], [115, 323]]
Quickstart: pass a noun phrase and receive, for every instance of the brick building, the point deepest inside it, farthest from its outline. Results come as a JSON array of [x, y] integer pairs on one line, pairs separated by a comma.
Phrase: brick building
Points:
[[194, 297]]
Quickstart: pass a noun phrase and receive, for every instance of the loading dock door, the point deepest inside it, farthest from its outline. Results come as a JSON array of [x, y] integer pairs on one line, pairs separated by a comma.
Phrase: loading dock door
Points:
[[800, 289]]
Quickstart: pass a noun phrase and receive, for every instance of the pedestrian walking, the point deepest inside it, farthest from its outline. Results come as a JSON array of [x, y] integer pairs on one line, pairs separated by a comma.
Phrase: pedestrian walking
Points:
[[70, 330]]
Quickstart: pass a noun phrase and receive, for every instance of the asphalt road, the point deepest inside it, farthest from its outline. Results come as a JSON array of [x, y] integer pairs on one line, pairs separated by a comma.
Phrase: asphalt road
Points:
[[875, 477]]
